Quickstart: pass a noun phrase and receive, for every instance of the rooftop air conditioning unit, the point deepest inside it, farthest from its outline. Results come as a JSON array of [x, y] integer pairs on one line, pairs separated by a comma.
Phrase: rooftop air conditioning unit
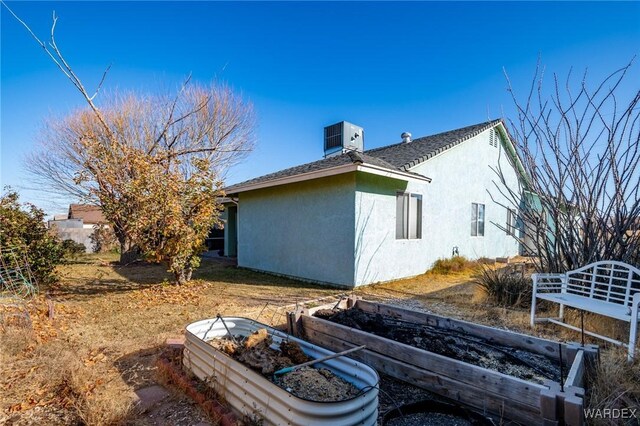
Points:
[[342, 137]]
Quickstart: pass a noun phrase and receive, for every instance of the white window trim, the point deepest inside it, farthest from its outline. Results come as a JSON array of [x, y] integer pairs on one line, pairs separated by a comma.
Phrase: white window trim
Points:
[[411, 194], [512, 222], [484, 220]]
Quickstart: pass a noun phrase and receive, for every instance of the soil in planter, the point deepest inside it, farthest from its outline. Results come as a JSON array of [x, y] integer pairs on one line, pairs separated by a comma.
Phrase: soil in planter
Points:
[[317, 385], [451, 343], [429, 419], [309, 383]]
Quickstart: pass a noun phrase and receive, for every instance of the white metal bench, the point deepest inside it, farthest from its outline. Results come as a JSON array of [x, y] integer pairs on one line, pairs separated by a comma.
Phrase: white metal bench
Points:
[[608, 288]]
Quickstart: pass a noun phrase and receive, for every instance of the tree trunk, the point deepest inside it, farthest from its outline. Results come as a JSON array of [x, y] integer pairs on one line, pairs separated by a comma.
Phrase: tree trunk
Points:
[[182, 275], [129, 252]]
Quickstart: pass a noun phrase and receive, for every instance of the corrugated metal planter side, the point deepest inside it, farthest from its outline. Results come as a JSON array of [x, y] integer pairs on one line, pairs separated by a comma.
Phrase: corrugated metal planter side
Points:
[[255, 396]]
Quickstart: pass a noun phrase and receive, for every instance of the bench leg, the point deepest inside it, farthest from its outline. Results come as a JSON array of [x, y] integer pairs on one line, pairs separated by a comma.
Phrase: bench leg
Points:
[[561, 315], [534, 290], [635, 306]]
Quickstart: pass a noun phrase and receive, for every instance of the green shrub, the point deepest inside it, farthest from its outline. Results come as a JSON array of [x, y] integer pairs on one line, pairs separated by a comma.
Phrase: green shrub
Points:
[[72, 249], [453, 264], [24, 227], [505, 286]]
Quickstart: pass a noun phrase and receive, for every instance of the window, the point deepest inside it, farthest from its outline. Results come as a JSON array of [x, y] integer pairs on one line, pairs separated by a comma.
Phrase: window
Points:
[[408, 216], [511, 222], [477, 220]]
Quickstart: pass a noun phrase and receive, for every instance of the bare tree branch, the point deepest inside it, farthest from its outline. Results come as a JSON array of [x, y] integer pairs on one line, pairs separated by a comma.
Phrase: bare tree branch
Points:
[[580, 151]]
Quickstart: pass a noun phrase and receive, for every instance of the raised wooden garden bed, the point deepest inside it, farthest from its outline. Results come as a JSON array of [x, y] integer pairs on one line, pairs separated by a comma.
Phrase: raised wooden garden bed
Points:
[[486, 390]]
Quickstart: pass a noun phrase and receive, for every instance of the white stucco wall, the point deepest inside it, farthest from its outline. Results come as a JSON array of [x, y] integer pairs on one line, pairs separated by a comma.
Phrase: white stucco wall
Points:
[[460, 176], [302, 230]]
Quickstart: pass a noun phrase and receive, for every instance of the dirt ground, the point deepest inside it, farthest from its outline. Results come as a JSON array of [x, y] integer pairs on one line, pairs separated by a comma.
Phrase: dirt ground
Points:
[[109, 322], [93, 339]]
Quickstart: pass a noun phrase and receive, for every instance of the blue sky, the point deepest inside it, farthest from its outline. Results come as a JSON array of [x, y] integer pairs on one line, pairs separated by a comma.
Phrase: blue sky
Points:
[[389, 67]]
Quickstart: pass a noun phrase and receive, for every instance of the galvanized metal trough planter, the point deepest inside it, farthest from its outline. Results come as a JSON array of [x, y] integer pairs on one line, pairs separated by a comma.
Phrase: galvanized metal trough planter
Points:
[[254, 396], [489, 392]]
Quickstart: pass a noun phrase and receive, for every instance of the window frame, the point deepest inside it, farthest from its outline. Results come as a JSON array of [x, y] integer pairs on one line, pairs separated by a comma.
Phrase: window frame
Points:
[[407, 217], [477, 230], [512, 222]]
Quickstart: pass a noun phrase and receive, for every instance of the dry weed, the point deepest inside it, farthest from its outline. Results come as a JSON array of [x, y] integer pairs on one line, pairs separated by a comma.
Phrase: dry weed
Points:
[[455, 264], [15, 341], [59, 374], [615, 385], [83, 380]]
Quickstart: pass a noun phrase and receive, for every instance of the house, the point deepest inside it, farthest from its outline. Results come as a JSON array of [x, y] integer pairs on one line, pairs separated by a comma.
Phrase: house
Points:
[[363, 216], [90, 214], [79, 224]]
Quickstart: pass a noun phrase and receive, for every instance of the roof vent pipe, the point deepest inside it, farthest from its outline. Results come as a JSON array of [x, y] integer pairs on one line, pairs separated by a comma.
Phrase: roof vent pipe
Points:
[[406, 137]]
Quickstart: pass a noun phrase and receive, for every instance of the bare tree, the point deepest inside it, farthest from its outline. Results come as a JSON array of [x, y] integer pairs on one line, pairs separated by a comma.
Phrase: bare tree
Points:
[[135, 147], [77, 156], [578, 150]]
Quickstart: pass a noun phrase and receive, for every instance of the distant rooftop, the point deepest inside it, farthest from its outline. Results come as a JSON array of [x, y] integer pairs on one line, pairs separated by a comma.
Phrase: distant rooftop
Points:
[[89, 213]]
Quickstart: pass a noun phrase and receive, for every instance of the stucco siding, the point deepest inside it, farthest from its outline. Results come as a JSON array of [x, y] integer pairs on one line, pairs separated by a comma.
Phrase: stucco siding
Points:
[[460, 176], [302, 230], [379, 256]]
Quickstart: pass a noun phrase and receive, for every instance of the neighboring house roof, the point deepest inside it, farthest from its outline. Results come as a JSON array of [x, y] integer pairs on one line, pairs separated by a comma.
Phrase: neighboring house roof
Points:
[[395, 159], [89, 214]]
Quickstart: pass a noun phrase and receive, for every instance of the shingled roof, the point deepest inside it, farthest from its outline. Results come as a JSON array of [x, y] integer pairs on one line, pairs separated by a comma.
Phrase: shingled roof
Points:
[[89, 213], [403, 156], [399, 157]]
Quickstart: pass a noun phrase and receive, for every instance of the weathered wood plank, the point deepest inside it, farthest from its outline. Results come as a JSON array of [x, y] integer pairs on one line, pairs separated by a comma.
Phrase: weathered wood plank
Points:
[[342, 304], [575, 377], [492, 381], [573, 411], [510, 338], [464, 393], [549, 409]]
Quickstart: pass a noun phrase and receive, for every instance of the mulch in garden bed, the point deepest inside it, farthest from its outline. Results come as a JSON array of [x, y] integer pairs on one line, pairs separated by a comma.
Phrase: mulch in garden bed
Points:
[[315, 384], [452, 344]]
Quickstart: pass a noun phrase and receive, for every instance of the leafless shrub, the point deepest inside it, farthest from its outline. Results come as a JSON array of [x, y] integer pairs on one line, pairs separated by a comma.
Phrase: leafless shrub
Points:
[[578, 150]]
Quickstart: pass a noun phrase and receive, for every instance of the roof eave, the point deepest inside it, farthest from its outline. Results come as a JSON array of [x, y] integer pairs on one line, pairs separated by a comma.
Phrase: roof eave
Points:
[[381, 171], [333, 171]]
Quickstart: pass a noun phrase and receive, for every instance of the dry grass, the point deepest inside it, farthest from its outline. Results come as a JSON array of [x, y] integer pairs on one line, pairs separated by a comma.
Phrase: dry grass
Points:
[[455, 264], [616, 385], [82, 366]]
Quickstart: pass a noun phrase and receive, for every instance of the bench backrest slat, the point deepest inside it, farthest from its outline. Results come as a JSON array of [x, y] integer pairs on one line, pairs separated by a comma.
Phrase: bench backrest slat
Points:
[[622, 287], [610, 281]]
